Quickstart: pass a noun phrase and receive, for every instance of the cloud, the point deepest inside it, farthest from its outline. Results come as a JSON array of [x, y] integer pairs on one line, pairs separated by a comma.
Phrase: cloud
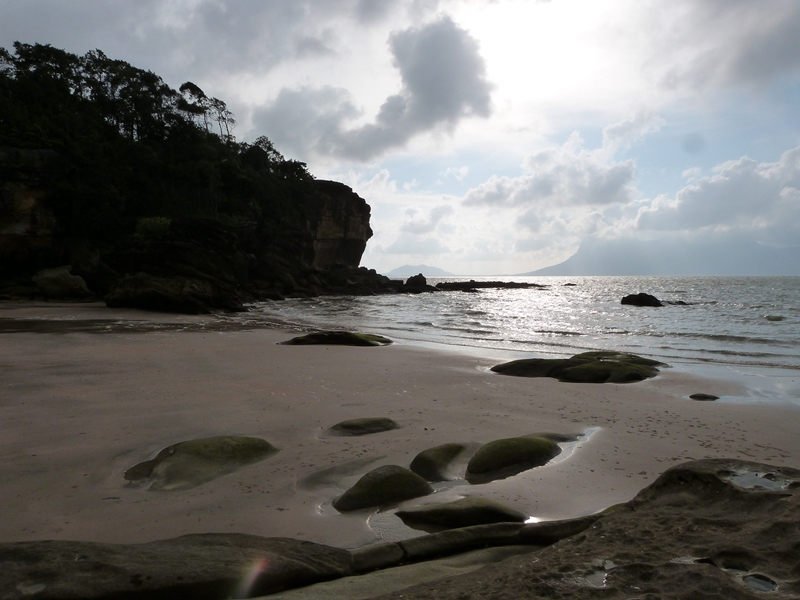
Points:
[[743, 195], [427, 224], [415, 246], [724, 42], [443, 81], [562, 176], [620, 136]]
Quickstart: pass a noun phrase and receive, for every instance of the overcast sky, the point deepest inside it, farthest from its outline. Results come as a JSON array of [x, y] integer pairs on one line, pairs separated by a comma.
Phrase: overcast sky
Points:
[[492, 136]]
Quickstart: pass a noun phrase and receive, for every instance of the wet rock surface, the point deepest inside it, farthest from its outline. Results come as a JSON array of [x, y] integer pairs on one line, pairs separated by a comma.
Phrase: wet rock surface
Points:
[[466, 512], [439, 463], [192, 463], [506, 457], [385, 485], [713, 528], [338, 338], [200, 566], [704, 397], [364, 426], [587, 367]]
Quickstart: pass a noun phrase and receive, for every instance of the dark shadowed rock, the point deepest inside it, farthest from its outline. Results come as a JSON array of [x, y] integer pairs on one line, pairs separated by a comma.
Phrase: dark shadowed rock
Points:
[[364, 426], [189, 464], [60, 284], [171, 294], [641, 299], [587, 367], [434, 464], [338, 338], [503, 458], [385, 485], [200, 566], [416, 285], [550, 532], [460, 513], [704, 397]]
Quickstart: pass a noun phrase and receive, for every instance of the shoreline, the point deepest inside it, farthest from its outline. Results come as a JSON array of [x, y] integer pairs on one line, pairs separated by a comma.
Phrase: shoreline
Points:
[[81, 408]]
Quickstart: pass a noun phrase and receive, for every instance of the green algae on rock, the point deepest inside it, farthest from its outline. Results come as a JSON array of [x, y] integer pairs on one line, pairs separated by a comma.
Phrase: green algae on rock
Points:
[[587, 367], [192, 463], [384, 485], [338, 338], [506, 457], [434, 463], [466, 512], [364, 426]]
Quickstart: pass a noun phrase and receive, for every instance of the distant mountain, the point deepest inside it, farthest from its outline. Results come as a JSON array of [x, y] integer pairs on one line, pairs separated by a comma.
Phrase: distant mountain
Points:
[[411, 270], [677, 256]]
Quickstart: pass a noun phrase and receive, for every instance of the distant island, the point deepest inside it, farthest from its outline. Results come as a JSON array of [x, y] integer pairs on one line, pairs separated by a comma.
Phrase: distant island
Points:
[[676, 257], [411, 270]]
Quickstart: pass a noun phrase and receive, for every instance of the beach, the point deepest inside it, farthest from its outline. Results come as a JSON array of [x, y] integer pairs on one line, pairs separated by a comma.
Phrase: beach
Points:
[[79, 408]]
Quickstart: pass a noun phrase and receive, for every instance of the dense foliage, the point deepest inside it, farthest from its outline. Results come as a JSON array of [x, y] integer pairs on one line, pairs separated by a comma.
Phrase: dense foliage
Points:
[[130, 148]]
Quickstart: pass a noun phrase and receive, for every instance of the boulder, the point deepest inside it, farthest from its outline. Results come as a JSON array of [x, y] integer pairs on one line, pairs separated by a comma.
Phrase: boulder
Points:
[[189, 464], [463, 539], [198, 566], [385, 485], [434, 464], [338, 338], [176, 294], [587, 367], [641, 299], [506, 457], [466, 512], [416, 285], [365, 426], [60, 284], [704, 397]]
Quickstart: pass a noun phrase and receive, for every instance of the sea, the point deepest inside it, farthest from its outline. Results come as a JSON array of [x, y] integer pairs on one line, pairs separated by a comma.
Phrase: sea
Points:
[[745, 329]]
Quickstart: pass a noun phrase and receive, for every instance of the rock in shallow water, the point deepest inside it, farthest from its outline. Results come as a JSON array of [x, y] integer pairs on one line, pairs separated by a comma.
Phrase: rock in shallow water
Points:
[[188, 464], [384, 485], [587, 367], [503, 458], [338, 338]]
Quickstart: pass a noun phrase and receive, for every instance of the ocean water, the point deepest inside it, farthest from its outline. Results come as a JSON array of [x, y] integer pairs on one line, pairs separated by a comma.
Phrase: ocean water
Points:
[[742, 328]]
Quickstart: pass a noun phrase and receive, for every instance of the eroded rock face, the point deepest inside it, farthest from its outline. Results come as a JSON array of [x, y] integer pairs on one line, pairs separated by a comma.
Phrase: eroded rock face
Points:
[[342, 226]]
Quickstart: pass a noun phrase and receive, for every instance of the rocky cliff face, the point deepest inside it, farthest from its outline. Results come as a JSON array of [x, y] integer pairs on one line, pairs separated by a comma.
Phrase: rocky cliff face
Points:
[[342, 226], [191, 264]]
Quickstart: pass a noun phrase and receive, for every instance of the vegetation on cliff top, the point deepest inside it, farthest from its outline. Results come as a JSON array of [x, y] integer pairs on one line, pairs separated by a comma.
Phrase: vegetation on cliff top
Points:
[[129, 147]]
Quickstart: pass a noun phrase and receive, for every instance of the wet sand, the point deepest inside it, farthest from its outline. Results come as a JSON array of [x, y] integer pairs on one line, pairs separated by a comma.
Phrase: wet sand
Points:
[[78, 408]]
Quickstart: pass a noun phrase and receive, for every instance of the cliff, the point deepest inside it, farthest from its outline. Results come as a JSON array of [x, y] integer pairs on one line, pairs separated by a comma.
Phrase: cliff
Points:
[[131, 195]]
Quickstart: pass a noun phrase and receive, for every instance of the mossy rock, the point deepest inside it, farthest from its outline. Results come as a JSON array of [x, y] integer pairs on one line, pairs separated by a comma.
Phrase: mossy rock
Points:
[[364, 426], [188, 464], [506, 457], [460, 513], [338, 338], [587, 367], [434, 464], [384, 485]]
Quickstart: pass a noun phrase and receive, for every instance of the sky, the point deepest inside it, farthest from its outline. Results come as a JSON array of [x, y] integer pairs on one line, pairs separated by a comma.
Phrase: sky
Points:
[[493, 136]]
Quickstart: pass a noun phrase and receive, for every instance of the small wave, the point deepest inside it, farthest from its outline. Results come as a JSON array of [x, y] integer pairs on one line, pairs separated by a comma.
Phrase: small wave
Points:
[[475, 313], [557, 332], [742, 339]]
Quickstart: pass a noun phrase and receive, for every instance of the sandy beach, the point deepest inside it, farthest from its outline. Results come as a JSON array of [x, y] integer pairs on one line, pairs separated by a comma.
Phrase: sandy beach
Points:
[[78, 409]]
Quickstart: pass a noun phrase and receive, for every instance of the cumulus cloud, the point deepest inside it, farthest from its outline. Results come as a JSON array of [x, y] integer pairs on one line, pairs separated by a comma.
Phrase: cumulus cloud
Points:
[[443, 81], [743, 195], [560, 176], [419, 225]]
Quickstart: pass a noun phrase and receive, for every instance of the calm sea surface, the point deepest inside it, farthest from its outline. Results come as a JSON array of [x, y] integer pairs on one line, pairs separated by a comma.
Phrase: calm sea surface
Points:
[[744, 328]]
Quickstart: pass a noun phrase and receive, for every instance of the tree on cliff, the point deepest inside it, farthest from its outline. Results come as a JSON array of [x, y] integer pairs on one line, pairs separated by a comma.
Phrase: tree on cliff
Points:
[[132, 147]]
